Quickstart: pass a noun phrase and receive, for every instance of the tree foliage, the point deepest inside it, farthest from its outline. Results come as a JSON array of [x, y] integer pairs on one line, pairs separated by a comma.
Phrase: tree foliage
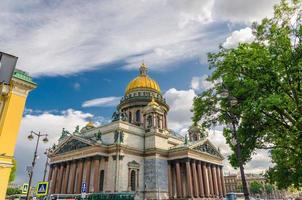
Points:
[[12, 191], [265, 77], [256, 187], [268, 188]]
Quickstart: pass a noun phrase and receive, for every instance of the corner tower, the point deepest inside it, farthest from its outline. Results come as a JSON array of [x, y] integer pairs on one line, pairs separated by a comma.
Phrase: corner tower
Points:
[[140, 92], [12, 102]]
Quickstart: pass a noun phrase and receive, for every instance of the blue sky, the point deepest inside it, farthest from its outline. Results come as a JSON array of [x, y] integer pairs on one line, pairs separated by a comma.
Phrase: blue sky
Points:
[[60, 93], [82, 54]]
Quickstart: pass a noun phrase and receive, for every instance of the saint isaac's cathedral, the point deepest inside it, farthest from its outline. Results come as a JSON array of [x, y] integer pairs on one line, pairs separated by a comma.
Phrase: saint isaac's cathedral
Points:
[[138, 153]]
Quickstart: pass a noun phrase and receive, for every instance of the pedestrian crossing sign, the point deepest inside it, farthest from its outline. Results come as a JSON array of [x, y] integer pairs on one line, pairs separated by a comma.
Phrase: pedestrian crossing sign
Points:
[[25, 188], [42, 189]]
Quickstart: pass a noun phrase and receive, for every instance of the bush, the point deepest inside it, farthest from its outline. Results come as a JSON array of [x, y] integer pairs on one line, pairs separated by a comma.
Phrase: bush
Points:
[[12, 191]]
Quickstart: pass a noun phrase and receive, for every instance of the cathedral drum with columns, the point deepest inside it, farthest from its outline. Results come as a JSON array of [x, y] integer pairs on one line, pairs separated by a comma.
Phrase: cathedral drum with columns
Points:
[[137, 153]]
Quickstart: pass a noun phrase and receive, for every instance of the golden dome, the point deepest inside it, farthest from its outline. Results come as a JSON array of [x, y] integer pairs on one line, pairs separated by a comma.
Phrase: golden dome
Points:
[[143, 81], [90, 125]]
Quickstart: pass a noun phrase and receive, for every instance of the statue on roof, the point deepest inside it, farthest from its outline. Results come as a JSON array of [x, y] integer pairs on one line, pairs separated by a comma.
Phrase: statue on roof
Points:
[[124, 116], [64, 134], [186, 139], [98, 136], [115, 116], [143, 69], [52, 149], [77, 130]]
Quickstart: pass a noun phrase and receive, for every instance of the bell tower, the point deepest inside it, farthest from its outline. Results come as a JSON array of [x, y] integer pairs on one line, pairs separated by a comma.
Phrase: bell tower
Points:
[[154, 116]]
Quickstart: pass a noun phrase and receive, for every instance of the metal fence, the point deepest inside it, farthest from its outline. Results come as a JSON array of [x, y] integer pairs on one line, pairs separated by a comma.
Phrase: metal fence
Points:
[[94, 196]]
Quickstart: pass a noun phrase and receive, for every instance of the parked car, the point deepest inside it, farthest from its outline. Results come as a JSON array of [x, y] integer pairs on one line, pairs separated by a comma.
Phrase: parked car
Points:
[[235, 196]]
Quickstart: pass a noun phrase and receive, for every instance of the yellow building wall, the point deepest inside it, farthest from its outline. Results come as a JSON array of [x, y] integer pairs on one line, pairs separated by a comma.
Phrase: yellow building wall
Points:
[[4, 173], [10, 121]]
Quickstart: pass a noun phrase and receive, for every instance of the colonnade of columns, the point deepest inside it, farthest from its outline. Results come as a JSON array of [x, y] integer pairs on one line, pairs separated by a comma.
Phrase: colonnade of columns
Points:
[[67, 177], [195, 179]]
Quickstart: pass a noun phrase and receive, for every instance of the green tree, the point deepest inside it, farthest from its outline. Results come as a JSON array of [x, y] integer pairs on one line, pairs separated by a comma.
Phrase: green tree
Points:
[[265, 78], [12, 175], [268, 188], [256, 187]]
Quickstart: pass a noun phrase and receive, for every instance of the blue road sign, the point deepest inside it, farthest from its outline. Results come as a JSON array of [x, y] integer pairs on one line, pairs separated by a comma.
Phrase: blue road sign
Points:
[[84, 188], [41, 189]]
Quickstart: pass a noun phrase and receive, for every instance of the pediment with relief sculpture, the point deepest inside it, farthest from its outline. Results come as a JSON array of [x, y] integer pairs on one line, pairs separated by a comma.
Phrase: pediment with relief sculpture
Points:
[[71, 144]]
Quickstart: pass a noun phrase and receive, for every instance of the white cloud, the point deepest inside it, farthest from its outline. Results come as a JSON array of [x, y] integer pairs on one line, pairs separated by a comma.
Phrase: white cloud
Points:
[[63, 37], [242, 36], [180, 102], [260, 160], [102, 102], [46, 123], [243, 11], [201, 83], [179, 119]]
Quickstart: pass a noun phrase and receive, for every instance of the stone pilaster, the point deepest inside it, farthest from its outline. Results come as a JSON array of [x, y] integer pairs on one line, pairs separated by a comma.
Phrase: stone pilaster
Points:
[[129, 179], [137, 178]]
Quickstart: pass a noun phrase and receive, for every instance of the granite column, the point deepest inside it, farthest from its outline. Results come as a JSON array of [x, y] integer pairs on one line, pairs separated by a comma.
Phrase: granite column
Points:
[[189, 179], [178, 180]]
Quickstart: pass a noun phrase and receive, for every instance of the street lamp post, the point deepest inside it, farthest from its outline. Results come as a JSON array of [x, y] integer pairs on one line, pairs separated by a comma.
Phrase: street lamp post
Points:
[[232, 101], [31, 137], [238, 155], [46, 164]]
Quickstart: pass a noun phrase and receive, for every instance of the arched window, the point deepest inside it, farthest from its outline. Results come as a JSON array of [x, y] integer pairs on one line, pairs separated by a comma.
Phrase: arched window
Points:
[[158, 122], [130, 117], [133, 180], [102, 176], [138, 116], [149, 121]]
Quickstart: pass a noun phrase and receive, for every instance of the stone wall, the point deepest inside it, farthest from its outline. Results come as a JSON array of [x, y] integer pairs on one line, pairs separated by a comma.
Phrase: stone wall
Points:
[[156, 178]]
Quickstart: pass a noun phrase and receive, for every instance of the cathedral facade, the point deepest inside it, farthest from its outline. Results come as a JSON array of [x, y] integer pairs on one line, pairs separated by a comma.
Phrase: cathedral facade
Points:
[[137, 153]]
